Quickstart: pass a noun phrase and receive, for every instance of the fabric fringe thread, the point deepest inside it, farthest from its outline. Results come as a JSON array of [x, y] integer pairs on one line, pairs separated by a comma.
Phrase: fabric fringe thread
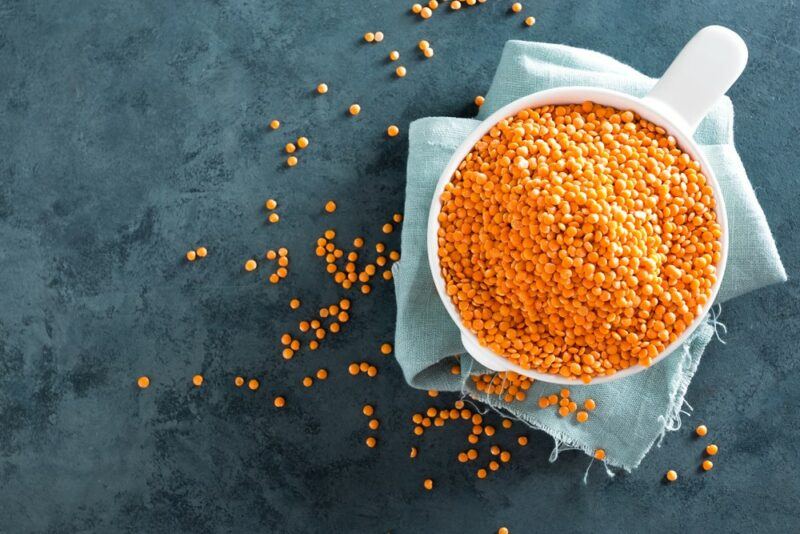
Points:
[[713, 319]]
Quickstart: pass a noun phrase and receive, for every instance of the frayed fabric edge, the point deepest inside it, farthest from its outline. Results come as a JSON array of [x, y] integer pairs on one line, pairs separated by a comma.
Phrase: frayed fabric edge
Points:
[[672, 421], [561, 443]]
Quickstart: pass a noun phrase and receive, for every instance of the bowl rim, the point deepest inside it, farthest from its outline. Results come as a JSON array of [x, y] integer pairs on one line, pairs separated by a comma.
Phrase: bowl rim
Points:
[[572, 95]]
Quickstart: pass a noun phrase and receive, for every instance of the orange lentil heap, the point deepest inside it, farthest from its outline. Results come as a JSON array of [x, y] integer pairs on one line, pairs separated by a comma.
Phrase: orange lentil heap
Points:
[[578, 240], [509, 386]]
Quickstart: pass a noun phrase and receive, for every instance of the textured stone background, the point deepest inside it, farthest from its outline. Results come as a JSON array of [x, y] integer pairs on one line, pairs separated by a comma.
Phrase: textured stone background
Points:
[[131, 130]]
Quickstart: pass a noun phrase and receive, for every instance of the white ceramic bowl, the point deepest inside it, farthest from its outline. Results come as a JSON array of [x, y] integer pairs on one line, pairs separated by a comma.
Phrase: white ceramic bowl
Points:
[[703, 71]]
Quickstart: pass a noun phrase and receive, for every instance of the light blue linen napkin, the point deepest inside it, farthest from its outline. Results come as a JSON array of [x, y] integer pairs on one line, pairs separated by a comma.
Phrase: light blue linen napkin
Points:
[[634, 412]]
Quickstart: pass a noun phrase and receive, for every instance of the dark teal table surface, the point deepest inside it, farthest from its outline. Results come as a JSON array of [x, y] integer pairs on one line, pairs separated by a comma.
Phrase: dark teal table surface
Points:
[[131, 131]]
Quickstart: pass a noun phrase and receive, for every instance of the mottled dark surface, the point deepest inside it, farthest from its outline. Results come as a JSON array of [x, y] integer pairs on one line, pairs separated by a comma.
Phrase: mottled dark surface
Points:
[[130, 131]]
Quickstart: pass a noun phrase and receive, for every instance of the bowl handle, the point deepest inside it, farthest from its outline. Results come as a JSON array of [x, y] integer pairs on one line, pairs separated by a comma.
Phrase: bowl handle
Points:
[[701, 73]]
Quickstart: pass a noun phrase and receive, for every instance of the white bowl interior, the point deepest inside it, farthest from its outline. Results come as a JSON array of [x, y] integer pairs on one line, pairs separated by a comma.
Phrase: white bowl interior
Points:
[[568, 95]]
